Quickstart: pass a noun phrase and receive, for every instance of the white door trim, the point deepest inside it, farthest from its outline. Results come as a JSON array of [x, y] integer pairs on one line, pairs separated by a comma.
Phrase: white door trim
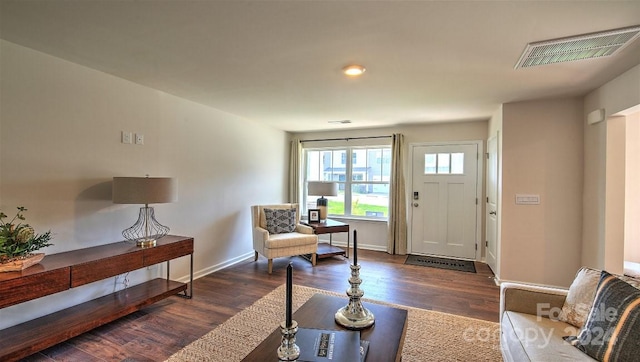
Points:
[[493, 264], [479, 189]]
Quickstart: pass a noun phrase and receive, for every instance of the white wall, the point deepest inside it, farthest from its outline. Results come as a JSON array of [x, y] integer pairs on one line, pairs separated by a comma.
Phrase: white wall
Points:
[[542, 154], [60, 127], [618, 95], [632, 189], [614, 195], [373, 234]]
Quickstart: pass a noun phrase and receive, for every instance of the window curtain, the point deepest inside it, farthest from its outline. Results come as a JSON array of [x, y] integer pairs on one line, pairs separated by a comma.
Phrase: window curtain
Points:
[[295, 158], [397, 235]]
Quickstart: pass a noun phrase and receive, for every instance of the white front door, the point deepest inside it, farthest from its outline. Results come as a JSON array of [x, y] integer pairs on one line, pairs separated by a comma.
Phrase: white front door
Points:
[[444, 200], [492, 203]]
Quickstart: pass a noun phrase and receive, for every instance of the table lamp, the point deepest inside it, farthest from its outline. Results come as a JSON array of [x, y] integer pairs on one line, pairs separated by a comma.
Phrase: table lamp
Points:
[[322, 189], [145, 190]]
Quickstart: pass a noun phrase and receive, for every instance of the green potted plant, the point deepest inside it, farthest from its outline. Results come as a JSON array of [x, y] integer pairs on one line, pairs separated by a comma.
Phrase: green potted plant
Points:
[[18, 242]]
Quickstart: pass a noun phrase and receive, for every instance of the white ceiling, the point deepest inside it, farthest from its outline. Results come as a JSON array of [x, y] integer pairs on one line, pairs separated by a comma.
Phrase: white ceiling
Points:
[[279, 62]]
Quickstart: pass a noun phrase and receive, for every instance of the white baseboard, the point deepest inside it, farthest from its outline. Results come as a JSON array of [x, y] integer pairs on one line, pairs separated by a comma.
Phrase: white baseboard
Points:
[[632, 269], [343, 244], [373, 247], [227, 263]]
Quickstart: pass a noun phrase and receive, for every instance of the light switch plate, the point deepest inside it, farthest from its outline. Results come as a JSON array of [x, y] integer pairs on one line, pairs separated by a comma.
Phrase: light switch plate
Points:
[[126, 137], [522, 199], [139, 139]]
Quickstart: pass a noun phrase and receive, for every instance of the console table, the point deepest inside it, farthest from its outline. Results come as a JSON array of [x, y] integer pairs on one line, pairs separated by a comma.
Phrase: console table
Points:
[[59, 272]]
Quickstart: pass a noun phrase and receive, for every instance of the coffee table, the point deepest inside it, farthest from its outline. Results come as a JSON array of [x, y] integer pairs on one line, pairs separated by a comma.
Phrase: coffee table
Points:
[[386, 336]]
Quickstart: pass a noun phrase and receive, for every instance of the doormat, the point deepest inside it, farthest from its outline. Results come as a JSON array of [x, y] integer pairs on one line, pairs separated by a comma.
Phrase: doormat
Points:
[[442, 263]]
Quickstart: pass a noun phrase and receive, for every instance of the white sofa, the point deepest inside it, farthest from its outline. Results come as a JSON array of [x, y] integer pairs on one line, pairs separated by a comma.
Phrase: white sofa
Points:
[[534, 319], [525, 335]]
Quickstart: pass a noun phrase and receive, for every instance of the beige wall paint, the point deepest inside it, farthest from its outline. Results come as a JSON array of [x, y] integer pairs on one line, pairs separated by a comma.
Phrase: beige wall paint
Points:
[[495, 123], [618, 95], [60, 147], [632, 189], [373, 234], [594, 194], [431, 132], [542, 150], [614, 195]]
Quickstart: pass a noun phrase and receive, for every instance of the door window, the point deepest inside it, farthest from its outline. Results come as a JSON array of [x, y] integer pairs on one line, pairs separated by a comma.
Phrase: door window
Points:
[[444, 163]]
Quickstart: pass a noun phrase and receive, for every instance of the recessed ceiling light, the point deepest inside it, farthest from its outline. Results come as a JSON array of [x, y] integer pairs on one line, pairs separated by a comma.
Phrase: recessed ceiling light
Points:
[[353, 70]]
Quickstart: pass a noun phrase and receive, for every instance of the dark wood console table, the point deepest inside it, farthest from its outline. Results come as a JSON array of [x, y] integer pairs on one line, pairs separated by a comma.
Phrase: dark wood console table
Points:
[[59, 272]]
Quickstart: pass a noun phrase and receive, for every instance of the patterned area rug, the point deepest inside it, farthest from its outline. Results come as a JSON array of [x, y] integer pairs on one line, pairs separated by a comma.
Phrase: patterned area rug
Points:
[[431, 336], [441, 263]]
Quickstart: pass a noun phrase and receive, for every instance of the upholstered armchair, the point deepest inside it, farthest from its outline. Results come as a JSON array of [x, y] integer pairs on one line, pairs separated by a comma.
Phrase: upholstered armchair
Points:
[[277, 232]]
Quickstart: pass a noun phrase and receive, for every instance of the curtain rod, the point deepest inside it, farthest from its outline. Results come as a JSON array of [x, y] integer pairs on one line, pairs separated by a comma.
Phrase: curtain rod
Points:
[[344, 139]]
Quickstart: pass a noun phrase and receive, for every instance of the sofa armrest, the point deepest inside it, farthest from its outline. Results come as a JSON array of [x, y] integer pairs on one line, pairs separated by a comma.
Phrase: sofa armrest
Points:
[[530, 299], [304, 229]]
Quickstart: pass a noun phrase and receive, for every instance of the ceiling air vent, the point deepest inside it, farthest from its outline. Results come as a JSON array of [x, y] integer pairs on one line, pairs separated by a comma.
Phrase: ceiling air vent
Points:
[[595, 45]]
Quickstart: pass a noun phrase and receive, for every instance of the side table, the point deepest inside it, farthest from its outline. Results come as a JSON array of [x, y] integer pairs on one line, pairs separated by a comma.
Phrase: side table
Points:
[[330, 226]]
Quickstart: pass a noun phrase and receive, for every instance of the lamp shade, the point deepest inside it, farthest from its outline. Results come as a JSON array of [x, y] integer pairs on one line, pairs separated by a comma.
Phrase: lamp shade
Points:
[[144, 190], [323, 188]]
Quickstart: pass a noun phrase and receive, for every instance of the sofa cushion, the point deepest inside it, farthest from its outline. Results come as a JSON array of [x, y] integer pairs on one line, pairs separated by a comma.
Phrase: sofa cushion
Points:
[[289, 240], [580, 297], [612, 330], [280, 221], [527, 337]]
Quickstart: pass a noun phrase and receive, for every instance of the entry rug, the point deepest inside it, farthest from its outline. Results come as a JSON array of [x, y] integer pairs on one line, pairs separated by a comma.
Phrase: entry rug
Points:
[[441, 263], [431, 335]]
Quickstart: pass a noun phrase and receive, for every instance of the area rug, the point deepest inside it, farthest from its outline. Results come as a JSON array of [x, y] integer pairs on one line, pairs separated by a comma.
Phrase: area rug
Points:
[[441, 263], [431, 336]]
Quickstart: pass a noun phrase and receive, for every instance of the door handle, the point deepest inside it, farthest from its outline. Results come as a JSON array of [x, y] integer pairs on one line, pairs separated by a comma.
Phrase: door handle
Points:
[[492, 213], [415, 204]]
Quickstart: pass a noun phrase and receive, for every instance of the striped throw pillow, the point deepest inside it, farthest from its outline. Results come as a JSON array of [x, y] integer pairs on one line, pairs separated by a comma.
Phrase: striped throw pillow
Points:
[[612, 329]]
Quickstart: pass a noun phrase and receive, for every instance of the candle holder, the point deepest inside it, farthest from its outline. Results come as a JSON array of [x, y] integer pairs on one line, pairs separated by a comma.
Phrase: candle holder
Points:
[[288, 350], [354, 315]]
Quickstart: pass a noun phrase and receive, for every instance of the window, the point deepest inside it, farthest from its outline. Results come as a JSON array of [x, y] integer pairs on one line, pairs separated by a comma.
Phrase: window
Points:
[[343, 158], [363, 183], [444, 163]]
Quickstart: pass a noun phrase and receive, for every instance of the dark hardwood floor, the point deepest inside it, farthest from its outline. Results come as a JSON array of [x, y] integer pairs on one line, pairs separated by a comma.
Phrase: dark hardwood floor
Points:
[[158, 331]]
